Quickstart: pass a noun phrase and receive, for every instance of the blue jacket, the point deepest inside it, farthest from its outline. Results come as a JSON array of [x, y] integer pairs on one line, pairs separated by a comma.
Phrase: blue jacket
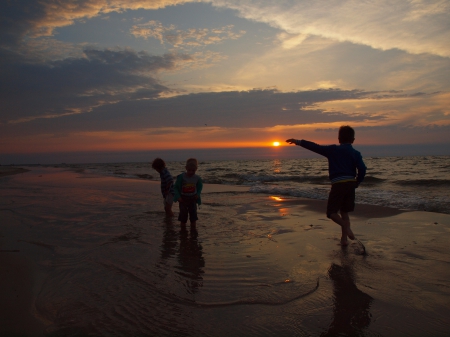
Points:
[[344, 162]]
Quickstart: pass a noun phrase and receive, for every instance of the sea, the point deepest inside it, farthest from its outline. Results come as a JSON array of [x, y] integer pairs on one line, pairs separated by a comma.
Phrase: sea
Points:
[[415, 183]]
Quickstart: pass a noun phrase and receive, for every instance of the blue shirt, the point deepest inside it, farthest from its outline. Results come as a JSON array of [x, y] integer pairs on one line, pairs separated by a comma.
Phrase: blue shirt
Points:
[[344, 162]]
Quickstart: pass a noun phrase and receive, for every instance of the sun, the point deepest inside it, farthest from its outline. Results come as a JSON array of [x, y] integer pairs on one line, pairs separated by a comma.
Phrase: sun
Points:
[[276, 143]]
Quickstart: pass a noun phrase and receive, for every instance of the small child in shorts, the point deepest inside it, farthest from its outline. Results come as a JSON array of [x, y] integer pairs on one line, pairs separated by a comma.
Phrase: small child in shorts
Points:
[[346, 170], [167, 188], [188, 188]]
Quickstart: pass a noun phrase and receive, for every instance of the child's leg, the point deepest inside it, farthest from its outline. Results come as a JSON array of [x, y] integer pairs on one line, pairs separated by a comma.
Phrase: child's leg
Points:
[[346, 219], [342, 197], [337, 219], [343, 220], [168, 210], [168, 202], [193, 215], [183, 215]]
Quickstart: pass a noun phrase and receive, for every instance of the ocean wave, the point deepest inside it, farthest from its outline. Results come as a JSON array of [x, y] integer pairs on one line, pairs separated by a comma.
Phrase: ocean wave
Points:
[[375, 197], [423, 182], [286, 178], [215, 169], [144, 176], [373, 180]]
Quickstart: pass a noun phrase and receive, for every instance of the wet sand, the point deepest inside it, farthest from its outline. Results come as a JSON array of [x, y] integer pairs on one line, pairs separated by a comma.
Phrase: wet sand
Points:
[[95, 255]]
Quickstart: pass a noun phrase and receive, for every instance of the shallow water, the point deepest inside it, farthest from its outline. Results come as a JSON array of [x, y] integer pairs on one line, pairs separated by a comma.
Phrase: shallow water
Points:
[[412, 183], [110, 263]]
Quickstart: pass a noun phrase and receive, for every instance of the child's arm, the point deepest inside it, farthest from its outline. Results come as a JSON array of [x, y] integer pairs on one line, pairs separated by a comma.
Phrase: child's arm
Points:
[[177, 188], [320, 149], [199, 190], [361, 167]]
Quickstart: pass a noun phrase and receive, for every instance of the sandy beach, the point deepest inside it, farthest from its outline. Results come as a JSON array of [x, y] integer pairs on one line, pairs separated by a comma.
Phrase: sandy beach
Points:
[[83, 254]]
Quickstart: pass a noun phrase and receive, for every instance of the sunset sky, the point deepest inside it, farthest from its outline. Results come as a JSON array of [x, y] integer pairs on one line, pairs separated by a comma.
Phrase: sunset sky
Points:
[[123, 76]]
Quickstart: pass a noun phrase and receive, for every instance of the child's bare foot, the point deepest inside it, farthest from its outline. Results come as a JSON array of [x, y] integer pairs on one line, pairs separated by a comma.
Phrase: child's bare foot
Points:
[[344, 242]]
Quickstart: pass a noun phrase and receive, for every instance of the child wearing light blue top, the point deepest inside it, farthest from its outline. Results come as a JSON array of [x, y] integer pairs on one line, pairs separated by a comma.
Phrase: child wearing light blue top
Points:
[[188, 188]]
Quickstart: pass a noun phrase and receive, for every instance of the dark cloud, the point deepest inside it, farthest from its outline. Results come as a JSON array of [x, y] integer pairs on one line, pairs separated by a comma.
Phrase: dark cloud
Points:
[[17, 18], [247, 109], [74, 85], [255, 108]]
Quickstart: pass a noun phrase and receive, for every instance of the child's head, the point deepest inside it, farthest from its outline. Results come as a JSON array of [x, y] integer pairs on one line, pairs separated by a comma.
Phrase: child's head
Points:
[[158, 164], [191, 166], [346, 134]]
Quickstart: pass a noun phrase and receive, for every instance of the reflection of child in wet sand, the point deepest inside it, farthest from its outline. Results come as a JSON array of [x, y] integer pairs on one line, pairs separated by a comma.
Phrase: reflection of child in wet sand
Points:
[[346, 171], [167, 189], [188, 187]]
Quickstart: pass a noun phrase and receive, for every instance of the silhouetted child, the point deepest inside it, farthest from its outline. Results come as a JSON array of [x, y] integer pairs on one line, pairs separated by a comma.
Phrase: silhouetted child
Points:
[[188, 187], [167, 189], [346, 171]]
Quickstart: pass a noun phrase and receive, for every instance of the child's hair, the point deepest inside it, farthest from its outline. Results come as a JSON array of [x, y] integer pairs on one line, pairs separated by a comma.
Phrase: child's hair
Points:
[[346, 134], [158, 164], [192, 162]]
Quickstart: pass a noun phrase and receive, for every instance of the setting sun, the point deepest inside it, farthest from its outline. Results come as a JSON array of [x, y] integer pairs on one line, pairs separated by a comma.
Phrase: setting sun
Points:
[[276, 143]]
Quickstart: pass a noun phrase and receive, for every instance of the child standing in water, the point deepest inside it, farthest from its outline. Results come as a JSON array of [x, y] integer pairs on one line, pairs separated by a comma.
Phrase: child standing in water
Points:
[[188, 187], [346, 171], [167, 189]]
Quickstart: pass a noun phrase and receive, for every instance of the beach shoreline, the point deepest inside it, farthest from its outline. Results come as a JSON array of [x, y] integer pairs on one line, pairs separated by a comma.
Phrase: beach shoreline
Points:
[[292, 234], [10, 170]]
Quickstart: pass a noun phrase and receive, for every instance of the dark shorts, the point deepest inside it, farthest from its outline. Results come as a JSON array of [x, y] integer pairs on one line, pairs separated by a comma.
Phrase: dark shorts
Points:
[[188, 207], [341, 198]]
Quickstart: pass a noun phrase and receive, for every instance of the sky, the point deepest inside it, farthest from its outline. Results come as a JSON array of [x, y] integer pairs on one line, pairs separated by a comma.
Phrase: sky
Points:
[[92, 80]]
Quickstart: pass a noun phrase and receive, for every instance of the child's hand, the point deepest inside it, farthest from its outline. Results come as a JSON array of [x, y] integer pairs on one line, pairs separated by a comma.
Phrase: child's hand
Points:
[[290, 141]]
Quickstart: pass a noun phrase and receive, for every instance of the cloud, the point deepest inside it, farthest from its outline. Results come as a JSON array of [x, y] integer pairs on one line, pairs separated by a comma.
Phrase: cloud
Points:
[[41, 18], [76, 85], [324, 63], [184, 38], [245, 109], [415, 26]]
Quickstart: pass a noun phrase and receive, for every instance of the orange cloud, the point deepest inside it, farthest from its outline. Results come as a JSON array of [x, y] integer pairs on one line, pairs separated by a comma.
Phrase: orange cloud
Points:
[[65, 13]]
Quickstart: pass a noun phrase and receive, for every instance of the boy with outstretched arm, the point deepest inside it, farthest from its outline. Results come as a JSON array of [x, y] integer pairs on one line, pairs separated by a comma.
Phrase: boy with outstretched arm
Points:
[[188, 188], [167, 189], [346, 171]]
